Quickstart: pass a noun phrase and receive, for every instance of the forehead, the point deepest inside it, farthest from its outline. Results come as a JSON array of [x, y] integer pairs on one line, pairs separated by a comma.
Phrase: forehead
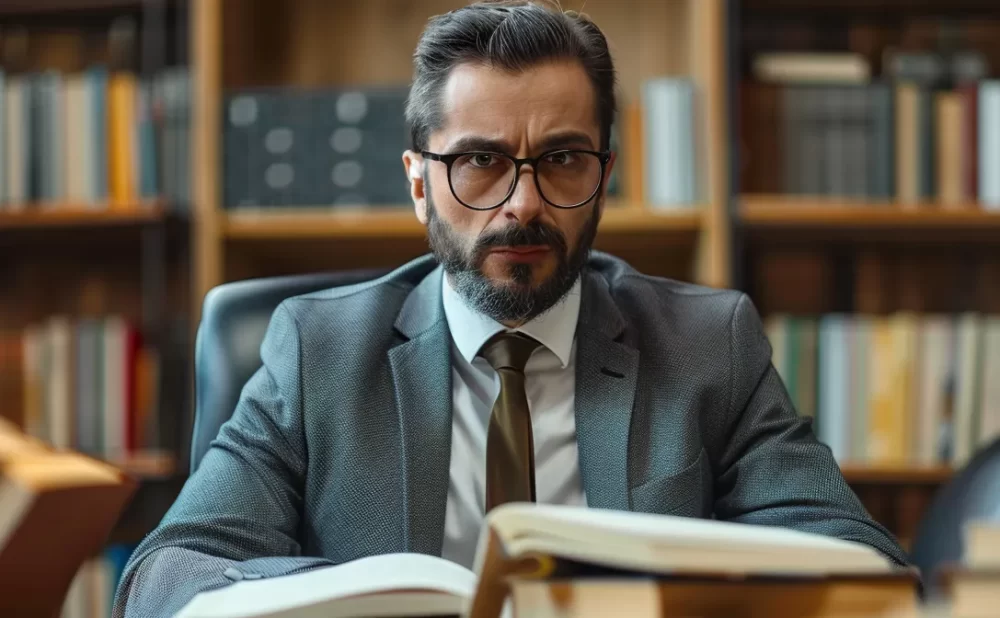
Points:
[[527, 105]]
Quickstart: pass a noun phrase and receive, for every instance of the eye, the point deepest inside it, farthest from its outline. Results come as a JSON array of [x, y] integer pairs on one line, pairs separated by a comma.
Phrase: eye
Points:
[[561, 158], [482, 159]]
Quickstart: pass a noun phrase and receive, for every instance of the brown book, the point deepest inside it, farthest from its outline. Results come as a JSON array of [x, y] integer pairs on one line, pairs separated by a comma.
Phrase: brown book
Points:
[[762, 138], [908, 153], [57, 509], [634, 159], [951, 152], [970, 142], [889, 596]]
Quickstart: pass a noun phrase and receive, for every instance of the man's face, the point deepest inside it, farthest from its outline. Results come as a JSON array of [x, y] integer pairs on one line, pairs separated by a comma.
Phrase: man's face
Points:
[[515, 261]]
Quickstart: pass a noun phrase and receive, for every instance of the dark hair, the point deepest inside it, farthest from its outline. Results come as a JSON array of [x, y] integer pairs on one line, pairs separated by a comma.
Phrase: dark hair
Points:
[[513, 35]]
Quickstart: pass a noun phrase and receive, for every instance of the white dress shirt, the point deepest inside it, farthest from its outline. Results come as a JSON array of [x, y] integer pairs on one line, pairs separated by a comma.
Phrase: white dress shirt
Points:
[[549, 384]]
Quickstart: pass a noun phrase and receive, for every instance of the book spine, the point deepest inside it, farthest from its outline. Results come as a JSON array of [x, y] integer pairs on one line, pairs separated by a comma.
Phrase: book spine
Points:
[[989, 144]]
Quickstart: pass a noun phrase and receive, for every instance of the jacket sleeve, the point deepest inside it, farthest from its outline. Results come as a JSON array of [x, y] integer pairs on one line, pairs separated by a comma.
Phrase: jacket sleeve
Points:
[[236, 516], [772, 469]]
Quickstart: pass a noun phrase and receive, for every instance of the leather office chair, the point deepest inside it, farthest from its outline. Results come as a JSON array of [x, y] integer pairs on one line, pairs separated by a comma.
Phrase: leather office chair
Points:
[[227, 347], [973, 494]]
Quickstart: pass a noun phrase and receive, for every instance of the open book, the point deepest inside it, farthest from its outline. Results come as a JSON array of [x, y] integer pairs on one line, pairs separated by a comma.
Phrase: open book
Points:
[[538, 542], [57, 509]]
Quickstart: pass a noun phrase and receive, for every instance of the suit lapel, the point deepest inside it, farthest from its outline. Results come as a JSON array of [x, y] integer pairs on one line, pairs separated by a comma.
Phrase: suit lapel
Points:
[[421, 374], [606, 375]]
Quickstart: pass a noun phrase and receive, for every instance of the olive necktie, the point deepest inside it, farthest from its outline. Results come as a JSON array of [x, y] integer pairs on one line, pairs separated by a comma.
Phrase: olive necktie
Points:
[[510, 450]]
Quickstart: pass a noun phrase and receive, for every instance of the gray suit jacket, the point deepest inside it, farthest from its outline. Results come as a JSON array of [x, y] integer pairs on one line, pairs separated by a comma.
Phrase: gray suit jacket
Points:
[[339, 447]]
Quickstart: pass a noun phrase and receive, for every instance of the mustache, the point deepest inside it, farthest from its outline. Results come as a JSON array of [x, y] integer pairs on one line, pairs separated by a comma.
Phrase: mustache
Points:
[[535, 233]]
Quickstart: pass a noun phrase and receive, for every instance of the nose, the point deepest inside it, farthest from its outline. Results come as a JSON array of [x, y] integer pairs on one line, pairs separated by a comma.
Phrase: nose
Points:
[[525, 203]]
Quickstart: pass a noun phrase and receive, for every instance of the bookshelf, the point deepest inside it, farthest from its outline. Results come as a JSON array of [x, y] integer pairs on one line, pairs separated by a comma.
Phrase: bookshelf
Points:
[[94, 239], [803, 253], [377, 39], [860, 210]]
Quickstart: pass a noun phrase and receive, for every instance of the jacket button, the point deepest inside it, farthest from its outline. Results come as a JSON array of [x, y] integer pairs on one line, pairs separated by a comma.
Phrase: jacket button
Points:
[[233, 574]]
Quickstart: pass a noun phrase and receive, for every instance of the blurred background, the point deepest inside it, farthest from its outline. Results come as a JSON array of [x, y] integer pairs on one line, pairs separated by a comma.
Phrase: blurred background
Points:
[[838, 160]]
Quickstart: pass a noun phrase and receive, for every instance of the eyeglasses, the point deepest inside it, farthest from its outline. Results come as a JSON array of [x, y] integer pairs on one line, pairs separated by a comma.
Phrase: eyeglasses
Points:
[[485, 180]]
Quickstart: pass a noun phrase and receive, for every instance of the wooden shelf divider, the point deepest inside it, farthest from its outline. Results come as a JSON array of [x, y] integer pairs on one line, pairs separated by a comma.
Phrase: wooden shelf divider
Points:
[[400, 222], [799, 211], [78, 215], [896, 475]]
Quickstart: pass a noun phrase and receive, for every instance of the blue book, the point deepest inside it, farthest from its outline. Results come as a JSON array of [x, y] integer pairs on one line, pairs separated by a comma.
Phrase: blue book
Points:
[[97, 81], [834, 408]]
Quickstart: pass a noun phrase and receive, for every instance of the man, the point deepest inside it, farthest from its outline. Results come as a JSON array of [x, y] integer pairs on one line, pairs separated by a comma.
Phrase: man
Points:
[[510, 365]]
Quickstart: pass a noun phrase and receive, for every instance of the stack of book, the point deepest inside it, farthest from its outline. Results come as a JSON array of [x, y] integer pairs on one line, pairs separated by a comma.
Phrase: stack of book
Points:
[[926, 130], [88, 384], [98, 139], [903, 390]]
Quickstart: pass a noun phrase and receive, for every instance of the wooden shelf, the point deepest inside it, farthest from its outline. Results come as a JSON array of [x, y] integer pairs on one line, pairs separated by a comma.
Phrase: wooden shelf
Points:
[[897, 475], [776, 211], [952, 7], [48, 7], [400, 222], [73, 215]]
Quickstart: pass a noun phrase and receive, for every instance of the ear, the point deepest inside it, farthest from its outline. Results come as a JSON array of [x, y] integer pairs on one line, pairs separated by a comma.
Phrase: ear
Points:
[[608, 169], [607, 173], [414, 163]]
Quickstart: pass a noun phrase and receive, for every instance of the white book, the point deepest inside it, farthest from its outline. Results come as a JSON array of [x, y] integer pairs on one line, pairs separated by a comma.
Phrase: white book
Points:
[[967, 392], [937, 335], [530, 541], [834, 370], [76, 122], [989, 144], [59, 383], [77, 602], [776, 328], [17, 145], [982, 544], [668, 117], [803, 67], [989, 400], [115, 404]]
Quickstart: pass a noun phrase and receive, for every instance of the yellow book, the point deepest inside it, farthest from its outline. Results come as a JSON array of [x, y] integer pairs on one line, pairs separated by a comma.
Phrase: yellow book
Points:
[[905, 342], [121, 140], [883, 427]]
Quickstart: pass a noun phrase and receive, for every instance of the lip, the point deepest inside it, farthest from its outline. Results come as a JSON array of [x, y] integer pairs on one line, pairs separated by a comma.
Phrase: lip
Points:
[[522, 253]]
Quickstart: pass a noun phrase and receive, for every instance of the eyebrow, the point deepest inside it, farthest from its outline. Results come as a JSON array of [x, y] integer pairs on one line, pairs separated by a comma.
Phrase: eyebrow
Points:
[[563, 139]]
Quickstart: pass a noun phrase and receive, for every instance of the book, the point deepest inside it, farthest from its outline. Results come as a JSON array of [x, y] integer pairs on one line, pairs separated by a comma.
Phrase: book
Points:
[[41, 491], [540, 543], [973, 586]]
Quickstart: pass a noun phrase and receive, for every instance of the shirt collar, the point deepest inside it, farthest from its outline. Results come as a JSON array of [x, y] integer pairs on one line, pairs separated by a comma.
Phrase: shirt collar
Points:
[[470, 329]]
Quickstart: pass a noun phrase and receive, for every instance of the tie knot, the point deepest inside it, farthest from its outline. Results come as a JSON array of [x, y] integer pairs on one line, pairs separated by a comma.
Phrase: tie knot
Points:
[[509, 351]]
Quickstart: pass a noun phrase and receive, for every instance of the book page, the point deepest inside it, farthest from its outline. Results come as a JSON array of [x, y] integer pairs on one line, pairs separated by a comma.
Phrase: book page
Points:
[[366, 576], [657, 542]]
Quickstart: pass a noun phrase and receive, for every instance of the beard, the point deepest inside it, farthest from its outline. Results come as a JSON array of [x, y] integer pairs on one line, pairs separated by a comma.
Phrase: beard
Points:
[[517, 300]]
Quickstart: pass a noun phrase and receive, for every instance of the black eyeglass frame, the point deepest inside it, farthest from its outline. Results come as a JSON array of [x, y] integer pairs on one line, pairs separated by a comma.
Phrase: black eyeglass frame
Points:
[[449, 160]]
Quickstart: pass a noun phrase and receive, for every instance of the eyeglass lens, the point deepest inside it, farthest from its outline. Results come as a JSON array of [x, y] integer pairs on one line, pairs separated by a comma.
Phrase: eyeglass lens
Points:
[[483, 180]]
